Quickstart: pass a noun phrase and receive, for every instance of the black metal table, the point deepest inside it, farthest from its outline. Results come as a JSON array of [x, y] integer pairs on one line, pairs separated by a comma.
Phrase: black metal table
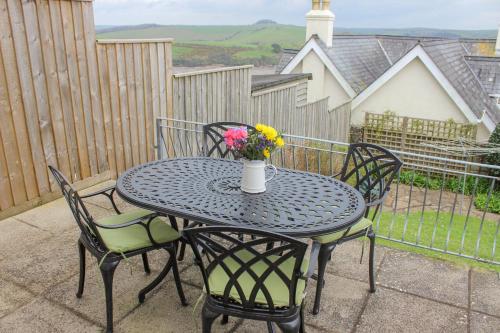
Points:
[[206, 190]]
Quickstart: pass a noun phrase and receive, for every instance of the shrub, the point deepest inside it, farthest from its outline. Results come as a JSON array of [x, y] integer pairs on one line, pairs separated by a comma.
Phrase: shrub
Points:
[[493, 205], [494, 158]]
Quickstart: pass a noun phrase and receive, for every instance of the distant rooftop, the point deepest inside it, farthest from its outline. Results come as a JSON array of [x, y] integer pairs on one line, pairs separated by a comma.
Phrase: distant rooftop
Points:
[[260, 82]]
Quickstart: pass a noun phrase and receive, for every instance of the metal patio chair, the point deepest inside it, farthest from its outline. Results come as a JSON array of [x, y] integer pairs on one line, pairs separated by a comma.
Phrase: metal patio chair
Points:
[[119, 237], [370, 169], [245, 279]]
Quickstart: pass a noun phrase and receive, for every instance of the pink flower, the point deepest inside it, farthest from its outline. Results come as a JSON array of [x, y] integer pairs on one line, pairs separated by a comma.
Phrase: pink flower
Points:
[[235, 138]]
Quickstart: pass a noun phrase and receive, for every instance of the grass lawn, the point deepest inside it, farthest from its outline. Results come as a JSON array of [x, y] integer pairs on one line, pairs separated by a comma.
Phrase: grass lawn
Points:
[[422, 227]]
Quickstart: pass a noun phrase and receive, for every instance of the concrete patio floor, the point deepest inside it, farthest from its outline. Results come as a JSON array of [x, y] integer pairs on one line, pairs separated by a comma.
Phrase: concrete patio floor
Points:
[[39, 273]]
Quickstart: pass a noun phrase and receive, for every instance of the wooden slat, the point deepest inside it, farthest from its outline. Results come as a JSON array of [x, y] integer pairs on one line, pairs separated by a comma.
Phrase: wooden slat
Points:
[[114, 93], [74, 83], [11, 178], [95, 93], [148, 100], [153, 53], [124, 114], [140, 103], [65, 90], [28, 93], [132, 104], [16, 102], [104, 83], [55, 103], [40, 86], [84, 86]]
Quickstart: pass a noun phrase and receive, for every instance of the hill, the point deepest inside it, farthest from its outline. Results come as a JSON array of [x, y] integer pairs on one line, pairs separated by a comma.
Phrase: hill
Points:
[[257, 44]]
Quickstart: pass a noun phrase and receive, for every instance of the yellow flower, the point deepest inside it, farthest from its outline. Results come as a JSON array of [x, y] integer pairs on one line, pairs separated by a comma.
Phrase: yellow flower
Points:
[[271, 133], [280, 142], [266, 153], [260, 127]]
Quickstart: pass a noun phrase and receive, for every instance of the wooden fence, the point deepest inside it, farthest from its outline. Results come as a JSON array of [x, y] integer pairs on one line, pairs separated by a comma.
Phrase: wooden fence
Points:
[[419, 136], [213, 95], [66, 101]]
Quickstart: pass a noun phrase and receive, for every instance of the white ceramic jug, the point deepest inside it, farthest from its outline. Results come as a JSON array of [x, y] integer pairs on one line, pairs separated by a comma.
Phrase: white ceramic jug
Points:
[[253, 179]]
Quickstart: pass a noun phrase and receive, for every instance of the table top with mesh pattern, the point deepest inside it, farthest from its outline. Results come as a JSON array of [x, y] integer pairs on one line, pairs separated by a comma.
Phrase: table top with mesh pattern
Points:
[[206, 190]]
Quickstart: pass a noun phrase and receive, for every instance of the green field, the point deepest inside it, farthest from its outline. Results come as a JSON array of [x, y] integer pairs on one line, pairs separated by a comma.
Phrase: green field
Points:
[[249, 44]]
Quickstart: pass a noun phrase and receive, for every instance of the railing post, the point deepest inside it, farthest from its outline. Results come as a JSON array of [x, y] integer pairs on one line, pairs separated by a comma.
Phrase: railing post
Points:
[[159, 150]]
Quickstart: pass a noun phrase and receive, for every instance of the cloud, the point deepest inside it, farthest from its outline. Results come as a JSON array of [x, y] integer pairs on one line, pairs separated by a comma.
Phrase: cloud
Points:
[[458, 14]]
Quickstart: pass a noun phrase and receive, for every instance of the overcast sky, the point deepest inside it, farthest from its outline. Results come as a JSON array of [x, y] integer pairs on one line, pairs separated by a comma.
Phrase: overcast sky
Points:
[[448, 14]]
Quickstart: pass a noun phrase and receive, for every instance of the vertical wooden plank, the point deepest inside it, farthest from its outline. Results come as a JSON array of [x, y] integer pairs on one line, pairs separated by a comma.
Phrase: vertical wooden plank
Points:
[[105, 83], [16, 102], [140, 107], [148, 101], [55, 104], [114, 93], [6, 200], [28, 93], [84, 85], [153, 57], [74, 83], [95, 93], [64, 89], [169, 70], [124, 114], [39, 84], [12, 184], [162, 76], [132, 105]]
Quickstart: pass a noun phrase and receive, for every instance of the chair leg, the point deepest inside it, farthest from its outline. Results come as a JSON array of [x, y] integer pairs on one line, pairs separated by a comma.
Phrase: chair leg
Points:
[[225, 320], [270, 327], [156, 281], [371, 236], [107, 272], [302, 320], [182, 250], [177, 279], [207, 319], [145, 262], [81, 280], [291, 326], [323, 258]]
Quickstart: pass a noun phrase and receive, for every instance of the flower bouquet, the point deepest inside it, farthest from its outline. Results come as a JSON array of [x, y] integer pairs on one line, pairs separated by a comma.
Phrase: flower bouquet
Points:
[[254, 146]]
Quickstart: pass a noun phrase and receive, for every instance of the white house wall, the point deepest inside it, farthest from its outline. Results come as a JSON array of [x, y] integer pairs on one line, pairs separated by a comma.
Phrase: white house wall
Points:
[[323, 84]]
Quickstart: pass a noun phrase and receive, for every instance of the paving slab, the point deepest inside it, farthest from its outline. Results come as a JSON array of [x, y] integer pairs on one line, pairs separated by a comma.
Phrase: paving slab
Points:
[[483, 323], [16, 236], [56, 216], [12, 297], [42, 265], [346, 260], [162, 313], [435, 279], [485, 292], [41, 315], [127, 283], [341, 303], [393, 311]]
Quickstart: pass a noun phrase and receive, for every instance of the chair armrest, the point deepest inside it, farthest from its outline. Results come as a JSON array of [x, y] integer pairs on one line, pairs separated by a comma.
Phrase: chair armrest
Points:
[[313, 261], [108, 192], [144, 222]]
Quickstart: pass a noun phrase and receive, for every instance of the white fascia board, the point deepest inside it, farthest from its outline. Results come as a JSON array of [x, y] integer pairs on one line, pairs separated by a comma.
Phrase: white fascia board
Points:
[[489, 123], [312, 45], [418, 52]]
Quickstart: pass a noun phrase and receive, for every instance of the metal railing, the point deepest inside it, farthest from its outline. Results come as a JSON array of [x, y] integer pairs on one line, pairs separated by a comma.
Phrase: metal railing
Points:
[[440, 209]]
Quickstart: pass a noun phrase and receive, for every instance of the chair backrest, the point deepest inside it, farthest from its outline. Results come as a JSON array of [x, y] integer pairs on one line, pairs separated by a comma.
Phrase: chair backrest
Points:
[[237, 251], [213, 139], [82, 216], [371, 170]]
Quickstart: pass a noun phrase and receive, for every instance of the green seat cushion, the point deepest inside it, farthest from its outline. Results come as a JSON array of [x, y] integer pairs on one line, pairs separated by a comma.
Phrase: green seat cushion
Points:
[[328, 238], [277, 288], [134, 237]]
